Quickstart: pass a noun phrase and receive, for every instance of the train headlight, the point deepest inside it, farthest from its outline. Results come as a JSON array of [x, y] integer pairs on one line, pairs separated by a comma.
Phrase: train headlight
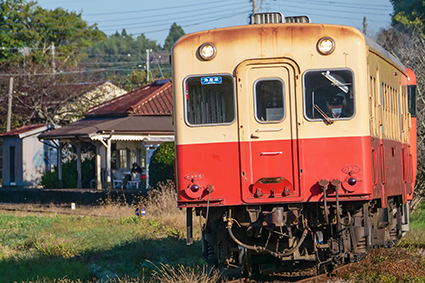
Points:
[[207, 51], [326, 45]]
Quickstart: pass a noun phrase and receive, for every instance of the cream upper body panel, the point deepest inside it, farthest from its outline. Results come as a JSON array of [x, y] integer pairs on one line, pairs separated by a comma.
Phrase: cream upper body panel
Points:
[[293, 42]]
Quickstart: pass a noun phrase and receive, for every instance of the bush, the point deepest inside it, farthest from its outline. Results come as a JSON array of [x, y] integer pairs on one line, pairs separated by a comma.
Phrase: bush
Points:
[[69, 175], [161, 167]]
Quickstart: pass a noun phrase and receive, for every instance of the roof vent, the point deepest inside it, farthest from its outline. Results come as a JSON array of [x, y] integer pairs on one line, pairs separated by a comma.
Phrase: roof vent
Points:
[[276, 18], [267, 18], [298, 19]]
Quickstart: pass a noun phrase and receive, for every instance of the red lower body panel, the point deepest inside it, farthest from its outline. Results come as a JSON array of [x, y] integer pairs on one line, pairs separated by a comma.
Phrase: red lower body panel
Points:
[[217, 174]]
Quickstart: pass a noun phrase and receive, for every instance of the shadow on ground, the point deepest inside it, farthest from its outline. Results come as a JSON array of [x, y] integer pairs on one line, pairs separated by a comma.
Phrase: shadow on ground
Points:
[[134, 259]]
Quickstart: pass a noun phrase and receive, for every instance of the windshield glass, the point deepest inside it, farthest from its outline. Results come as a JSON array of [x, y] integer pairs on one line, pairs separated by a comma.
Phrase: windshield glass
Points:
[[328, 94], [210, 100]]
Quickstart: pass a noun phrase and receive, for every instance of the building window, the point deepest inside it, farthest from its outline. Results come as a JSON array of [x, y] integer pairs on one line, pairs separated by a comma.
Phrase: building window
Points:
[[133, 156], [123, 158]]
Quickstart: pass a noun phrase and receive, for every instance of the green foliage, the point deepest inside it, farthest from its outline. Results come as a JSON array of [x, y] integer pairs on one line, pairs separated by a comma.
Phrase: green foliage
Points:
[[409, 13], [175, 33], [417, 219], [28, 29], [18, 229], [161, 167], [130, 220], [50, 178], [51, 246], [137, 78], [121, 54], [415, 238]]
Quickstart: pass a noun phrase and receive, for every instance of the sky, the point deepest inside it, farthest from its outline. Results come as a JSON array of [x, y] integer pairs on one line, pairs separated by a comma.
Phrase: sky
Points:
[[155, 17]]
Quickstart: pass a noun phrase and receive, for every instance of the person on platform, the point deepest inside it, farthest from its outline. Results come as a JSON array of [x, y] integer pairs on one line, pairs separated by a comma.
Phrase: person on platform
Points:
[[135, 170]]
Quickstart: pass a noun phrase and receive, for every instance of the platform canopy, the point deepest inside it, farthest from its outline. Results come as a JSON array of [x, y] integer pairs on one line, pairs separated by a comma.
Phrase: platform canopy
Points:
[[128, 128]]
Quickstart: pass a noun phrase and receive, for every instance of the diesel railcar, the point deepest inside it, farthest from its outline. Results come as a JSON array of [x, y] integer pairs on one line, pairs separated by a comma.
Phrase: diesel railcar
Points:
[[295, 142]]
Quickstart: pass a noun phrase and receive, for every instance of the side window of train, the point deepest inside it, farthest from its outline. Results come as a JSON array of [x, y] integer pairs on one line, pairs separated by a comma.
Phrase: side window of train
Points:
[[328, 94], [210, 100], [411, 90], [269, 100]]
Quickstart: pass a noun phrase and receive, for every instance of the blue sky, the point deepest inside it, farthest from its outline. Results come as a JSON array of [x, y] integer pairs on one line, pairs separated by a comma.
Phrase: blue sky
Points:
[[154, 18]]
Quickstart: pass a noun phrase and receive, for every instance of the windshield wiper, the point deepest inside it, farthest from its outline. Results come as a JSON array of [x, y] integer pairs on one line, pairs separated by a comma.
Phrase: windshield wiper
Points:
[[326, 117], [335, 81]]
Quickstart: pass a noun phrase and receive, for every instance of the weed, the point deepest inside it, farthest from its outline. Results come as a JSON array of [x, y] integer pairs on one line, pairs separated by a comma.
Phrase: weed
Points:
[[378, 259], [47, 280], [130, 220], [182, 274], [49, 245], [110, 201], [161, 204]]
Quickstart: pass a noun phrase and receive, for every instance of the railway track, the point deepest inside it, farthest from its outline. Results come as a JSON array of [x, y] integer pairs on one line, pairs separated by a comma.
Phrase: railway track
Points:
[[297, 278], [82, 210]]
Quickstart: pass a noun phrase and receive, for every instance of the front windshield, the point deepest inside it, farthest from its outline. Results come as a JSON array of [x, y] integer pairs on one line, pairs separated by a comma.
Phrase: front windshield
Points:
[[328, 94], [210, 100]]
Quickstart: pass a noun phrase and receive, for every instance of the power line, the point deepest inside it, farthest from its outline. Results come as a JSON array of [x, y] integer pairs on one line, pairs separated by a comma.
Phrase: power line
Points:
[[284, 6], [72, 72], [193, 24], [163, 8], [140, 24], [152, 16], [185, 16], [351, 4], [205, 20]]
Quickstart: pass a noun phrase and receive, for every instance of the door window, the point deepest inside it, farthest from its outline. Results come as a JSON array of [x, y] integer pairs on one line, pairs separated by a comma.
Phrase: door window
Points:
[[269, 100]]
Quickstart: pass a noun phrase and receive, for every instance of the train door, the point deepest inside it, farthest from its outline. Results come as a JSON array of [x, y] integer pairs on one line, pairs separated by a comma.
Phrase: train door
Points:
[[267, 139]]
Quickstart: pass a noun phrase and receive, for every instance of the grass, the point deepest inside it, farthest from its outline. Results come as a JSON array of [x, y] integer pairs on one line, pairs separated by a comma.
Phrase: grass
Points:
[[403, 263], [415, 238], [119, 247], [417, 219], [108, 243]]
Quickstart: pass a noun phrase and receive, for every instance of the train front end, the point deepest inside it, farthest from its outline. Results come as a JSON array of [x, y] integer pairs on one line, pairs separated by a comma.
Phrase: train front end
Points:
[[273, 143]]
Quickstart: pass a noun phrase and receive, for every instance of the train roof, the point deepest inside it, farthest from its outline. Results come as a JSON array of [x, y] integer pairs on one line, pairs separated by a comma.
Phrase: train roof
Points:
[[236, 30], [372, 44]]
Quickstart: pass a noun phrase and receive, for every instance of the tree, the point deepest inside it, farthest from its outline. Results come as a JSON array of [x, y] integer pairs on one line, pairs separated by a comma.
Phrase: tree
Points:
[[175, 33], [39, 95], [135, 80], [29, 30], [161, 167], [409, 13], [123, 59]]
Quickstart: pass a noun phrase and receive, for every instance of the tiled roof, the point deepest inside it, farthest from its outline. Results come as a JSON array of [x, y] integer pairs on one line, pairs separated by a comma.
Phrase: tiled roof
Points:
[[22, 130], [153, 99]]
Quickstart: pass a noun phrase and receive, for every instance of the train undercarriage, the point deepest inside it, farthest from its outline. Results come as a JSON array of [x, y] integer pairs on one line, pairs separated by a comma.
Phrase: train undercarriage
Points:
[[262, 239]]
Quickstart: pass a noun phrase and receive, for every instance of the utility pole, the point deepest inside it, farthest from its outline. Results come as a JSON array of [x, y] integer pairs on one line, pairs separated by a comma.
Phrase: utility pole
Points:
[[147, 65], [254, 6], [53, 58], [9, 104], [364, 25]]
